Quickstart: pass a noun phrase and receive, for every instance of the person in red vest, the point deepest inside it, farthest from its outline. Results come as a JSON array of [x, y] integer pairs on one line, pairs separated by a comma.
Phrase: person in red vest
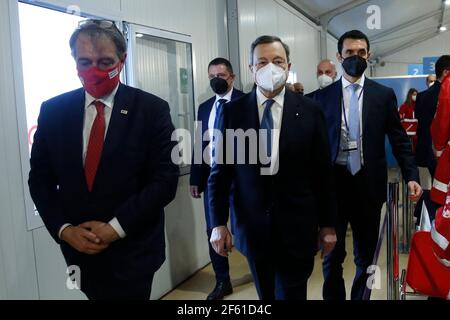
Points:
[[407, 116], [440, 133]]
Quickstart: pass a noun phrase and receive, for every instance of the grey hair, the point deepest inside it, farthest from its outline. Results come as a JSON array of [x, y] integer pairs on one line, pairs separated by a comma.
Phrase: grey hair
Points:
[[268, 39], [94, 31]]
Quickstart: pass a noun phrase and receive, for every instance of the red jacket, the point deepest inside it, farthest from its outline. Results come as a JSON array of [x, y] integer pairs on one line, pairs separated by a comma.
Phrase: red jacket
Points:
[[407, 110], [440, 133]]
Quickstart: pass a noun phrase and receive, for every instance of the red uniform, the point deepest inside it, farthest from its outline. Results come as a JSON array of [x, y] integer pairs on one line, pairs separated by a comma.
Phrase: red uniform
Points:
[[409, 122], [440, 132]]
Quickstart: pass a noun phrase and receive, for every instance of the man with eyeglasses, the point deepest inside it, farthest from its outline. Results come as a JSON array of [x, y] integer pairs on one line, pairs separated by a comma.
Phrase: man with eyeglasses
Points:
[[101, 170], [360, 113], [221, 77]]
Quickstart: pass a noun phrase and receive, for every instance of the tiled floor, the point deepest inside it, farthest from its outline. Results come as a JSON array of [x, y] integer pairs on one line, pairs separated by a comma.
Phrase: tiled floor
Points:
[[198, 286]]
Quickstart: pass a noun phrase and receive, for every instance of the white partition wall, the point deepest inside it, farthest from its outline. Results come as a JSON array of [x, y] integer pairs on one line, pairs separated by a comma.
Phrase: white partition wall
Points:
[[18, 279], [273, 17]]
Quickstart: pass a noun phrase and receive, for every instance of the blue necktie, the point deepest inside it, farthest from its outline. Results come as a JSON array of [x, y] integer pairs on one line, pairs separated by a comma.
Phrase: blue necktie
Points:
[[219, 108], [354, 134], [217, 121], [267, 124]]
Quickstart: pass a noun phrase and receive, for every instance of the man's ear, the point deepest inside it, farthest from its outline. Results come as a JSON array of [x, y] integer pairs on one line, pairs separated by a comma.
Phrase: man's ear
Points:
[[289, 66], [368, 55], [339, 57]]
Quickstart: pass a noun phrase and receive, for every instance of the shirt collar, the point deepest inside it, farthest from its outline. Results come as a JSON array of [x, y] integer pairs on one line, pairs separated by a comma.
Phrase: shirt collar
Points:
[[346, 83], [107, 100], [279, 99], [226, 97]]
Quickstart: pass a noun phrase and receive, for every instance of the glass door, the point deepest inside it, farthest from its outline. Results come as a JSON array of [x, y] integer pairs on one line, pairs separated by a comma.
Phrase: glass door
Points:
[[160, 63]]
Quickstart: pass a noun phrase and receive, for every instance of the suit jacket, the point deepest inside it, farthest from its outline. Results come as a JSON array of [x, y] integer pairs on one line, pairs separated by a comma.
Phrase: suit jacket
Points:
[[426, 104], [380, 118], [288, 207], [312, 95], [135, 179], [200, 172]]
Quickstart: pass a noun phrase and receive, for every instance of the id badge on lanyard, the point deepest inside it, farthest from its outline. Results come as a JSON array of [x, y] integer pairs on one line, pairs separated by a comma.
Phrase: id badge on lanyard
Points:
[[349, 145]]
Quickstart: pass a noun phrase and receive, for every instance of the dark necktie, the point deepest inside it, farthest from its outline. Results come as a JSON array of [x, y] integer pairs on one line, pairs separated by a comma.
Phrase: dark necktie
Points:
[[219, 108], [95, 145], [217, 121], [267, 124]]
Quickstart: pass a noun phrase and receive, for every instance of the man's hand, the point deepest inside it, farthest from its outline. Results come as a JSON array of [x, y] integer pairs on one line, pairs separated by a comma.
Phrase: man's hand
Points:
[[327, 240], [83, 240], [221, 240], [194, 192], [415, 191], [104, 231]]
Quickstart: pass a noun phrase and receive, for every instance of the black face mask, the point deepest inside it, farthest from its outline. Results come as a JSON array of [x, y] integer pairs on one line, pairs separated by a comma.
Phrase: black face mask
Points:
[[354, 66], [219, 85]]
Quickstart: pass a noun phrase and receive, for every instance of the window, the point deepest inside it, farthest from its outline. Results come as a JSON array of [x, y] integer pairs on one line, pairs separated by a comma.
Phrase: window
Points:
[[48, 70], [48, 67]]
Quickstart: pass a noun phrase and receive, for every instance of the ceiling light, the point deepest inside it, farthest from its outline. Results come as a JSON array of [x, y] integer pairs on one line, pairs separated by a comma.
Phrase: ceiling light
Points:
[[443, 28], [139, 35]]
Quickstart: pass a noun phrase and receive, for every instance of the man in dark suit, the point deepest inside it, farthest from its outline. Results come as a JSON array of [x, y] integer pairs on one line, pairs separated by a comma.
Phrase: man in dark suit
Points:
[[425, 109], [359, 113], [283, 193], [221, 77], [101, 171]]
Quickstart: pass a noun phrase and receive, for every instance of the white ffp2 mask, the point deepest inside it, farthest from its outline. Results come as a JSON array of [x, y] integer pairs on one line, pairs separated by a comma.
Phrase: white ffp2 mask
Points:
[[270, 77], [324, 81]]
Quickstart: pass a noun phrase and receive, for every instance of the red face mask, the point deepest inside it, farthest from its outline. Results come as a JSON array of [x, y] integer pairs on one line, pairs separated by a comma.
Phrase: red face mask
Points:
[[99, 83]]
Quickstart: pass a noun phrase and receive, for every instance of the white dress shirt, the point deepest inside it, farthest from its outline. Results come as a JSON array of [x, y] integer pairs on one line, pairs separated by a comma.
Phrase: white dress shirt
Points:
[[346, 94], [277, 116], [212, 118], [90, 112]]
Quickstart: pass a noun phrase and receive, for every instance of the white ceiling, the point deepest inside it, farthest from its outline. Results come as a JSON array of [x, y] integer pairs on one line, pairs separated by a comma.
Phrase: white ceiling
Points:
[[415, 20]]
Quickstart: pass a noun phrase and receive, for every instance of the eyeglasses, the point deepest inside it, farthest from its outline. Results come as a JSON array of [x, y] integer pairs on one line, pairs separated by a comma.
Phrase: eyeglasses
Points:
[[104, 24]]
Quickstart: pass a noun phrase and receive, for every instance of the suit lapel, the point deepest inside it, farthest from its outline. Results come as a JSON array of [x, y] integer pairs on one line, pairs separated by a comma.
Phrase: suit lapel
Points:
[[368, 96], [253, 111], [290, 110], [340, 98], [119, 121], [73, 132]]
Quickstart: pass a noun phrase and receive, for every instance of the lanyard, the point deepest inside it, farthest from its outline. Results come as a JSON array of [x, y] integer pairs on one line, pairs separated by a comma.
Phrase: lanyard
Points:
[[343, 107]]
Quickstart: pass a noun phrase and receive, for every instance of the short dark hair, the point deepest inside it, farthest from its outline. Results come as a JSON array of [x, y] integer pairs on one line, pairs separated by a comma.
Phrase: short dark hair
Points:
[[443, 63], [225, 62], [268, 39], [353, 34], [94, 29]]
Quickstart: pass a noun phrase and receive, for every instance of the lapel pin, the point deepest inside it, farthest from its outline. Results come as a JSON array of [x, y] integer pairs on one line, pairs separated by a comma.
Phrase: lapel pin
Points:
[[124, 112], [297, 114]]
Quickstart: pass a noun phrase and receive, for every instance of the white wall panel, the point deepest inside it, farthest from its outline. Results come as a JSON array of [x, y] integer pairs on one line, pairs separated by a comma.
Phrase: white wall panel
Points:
[[203, 20], [17, 265], [272, 17], [331, 54]]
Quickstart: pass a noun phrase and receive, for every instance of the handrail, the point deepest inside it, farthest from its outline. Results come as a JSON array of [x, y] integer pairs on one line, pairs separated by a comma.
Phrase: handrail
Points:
[[392, 241], [389, 222], [407, 220]]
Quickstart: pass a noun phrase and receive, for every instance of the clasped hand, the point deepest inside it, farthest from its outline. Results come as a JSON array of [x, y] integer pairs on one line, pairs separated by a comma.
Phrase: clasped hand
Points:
[[91, 237]]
